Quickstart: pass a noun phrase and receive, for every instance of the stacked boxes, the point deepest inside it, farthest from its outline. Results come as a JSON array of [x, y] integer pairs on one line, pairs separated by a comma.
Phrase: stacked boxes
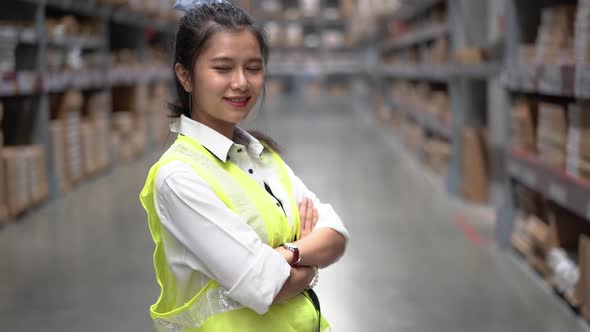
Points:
[[70, 114], [123, 133], [438, 53], [578, 140], [552, 134], [423, 98], [531, 237], [24, 177], [524, 125], [555, 36], [437, 155], [130, 121], [56, 141], [79, 137], [97, 113], [17, 180], [37, 168], [413, 136]]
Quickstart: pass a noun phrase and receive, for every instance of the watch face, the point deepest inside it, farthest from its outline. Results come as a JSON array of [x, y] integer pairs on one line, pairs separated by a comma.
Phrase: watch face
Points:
[[290, 246]]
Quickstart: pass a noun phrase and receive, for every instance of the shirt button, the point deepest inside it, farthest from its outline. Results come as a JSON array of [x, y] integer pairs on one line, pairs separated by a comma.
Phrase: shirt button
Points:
[[251, 171]]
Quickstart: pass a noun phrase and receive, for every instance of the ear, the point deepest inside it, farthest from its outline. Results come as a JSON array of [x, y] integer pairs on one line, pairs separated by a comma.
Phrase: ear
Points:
[[184, 77]]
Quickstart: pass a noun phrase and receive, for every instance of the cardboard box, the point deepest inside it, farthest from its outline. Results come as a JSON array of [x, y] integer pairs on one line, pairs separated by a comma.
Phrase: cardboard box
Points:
[[529, 201], [89, 151], [123, 123], [130, 98], [73, 147], [37, 173], [58, 154], [475, 166], [97, 105], [16, 180], [470, 55], [413, 137], [524, 125], [103, 143], [437, 155], [69, 102]]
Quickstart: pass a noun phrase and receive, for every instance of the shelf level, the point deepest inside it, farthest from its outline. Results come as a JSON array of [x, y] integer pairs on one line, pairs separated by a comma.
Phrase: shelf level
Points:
[[423, 119], [21, 83], [555, 80], [416, 37], [130, 76], [569, 192], [434, 73], [294, 69], [412, 9], [477, 71], [78, 80]]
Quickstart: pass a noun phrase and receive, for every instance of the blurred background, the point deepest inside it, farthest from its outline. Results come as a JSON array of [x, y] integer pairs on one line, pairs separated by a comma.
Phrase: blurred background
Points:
[[452, 137]]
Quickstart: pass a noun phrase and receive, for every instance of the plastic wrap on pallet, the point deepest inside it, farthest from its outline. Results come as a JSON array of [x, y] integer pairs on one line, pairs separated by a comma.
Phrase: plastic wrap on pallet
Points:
[[566, 272]]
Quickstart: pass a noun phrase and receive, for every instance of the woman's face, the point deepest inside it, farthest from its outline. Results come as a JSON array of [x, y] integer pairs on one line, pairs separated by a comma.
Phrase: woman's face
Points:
[[228, 78]]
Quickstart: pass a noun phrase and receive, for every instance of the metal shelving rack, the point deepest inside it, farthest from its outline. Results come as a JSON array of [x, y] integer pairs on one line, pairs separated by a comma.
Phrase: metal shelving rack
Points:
[[566, 81], [37, 83], [325, 66], [467, 84]]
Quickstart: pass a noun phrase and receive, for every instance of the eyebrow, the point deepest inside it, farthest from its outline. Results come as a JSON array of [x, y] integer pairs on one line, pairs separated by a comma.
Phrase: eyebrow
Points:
[[228, 59]]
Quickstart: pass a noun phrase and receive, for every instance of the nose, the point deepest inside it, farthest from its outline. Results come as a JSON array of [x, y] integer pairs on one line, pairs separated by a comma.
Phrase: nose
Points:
[[239, 81]]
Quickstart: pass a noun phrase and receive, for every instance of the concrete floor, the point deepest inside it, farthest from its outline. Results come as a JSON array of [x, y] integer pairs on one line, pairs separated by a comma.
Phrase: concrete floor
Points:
[[83, 263]]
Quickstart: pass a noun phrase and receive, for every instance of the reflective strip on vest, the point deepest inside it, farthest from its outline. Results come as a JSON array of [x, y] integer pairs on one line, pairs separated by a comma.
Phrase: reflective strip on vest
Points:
[[211, 303], [240, 199]]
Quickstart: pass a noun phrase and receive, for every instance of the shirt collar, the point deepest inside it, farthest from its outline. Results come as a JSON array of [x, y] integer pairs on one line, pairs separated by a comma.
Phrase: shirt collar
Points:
[[212, 140]]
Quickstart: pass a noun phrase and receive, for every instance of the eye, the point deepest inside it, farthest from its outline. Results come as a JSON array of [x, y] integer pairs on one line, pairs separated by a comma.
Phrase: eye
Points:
[[254, 69], [222, 69]]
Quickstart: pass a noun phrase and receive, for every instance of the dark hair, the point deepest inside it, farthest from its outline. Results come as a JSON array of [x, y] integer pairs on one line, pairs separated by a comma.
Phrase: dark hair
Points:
[[195, 29]]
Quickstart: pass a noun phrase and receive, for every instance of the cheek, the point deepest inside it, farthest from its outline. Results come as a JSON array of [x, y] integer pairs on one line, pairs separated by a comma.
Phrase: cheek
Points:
[[211, 84], [257, 83]]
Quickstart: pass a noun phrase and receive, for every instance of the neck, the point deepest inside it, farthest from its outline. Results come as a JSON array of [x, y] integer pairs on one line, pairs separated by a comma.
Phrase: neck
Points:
[[224, 128]]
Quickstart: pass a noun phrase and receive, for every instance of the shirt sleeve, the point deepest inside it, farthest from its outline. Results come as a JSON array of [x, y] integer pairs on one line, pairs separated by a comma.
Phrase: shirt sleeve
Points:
[[328, 218], [218, 242]]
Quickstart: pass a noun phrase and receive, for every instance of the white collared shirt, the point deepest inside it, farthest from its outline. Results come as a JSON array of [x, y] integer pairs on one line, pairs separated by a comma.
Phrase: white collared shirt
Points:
[[202, 234]]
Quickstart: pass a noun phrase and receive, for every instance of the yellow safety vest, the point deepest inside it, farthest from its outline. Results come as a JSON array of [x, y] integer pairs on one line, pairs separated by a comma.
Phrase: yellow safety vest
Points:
[[210, 309]]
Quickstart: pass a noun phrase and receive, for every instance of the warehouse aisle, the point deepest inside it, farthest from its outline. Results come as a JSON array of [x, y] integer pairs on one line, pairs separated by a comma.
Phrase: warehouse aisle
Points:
[[84, 263]]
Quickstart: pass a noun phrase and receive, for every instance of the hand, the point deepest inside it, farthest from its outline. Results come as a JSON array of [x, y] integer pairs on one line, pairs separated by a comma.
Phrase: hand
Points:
[[308, 216]]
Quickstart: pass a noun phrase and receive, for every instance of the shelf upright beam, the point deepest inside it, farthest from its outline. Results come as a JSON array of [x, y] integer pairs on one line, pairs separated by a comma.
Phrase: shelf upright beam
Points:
[[41, 126], [507, 211], [457, 96]]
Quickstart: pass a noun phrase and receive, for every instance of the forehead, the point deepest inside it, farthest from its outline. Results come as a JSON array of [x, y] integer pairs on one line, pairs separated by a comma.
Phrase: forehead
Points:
[[235, 44]]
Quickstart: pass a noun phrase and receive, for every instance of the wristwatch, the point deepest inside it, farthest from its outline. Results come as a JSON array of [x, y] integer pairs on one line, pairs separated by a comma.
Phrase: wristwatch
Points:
[[295, 250]]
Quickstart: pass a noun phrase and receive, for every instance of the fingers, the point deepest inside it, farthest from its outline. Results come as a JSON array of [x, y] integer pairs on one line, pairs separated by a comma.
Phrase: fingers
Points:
[[316, 216]]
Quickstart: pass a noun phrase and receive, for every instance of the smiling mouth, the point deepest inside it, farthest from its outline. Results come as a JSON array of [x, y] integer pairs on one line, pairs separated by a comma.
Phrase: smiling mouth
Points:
[[238, 102]]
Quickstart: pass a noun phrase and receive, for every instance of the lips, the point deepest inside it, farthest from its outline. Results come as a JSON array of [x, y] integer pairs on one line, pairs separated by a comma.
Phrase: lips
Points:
[[237, 101]]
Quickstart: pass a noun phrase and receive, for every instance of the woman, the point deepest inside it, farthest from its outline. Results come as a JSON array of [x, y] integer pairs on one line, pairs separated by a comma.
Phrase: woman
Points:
[[239, 238]]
